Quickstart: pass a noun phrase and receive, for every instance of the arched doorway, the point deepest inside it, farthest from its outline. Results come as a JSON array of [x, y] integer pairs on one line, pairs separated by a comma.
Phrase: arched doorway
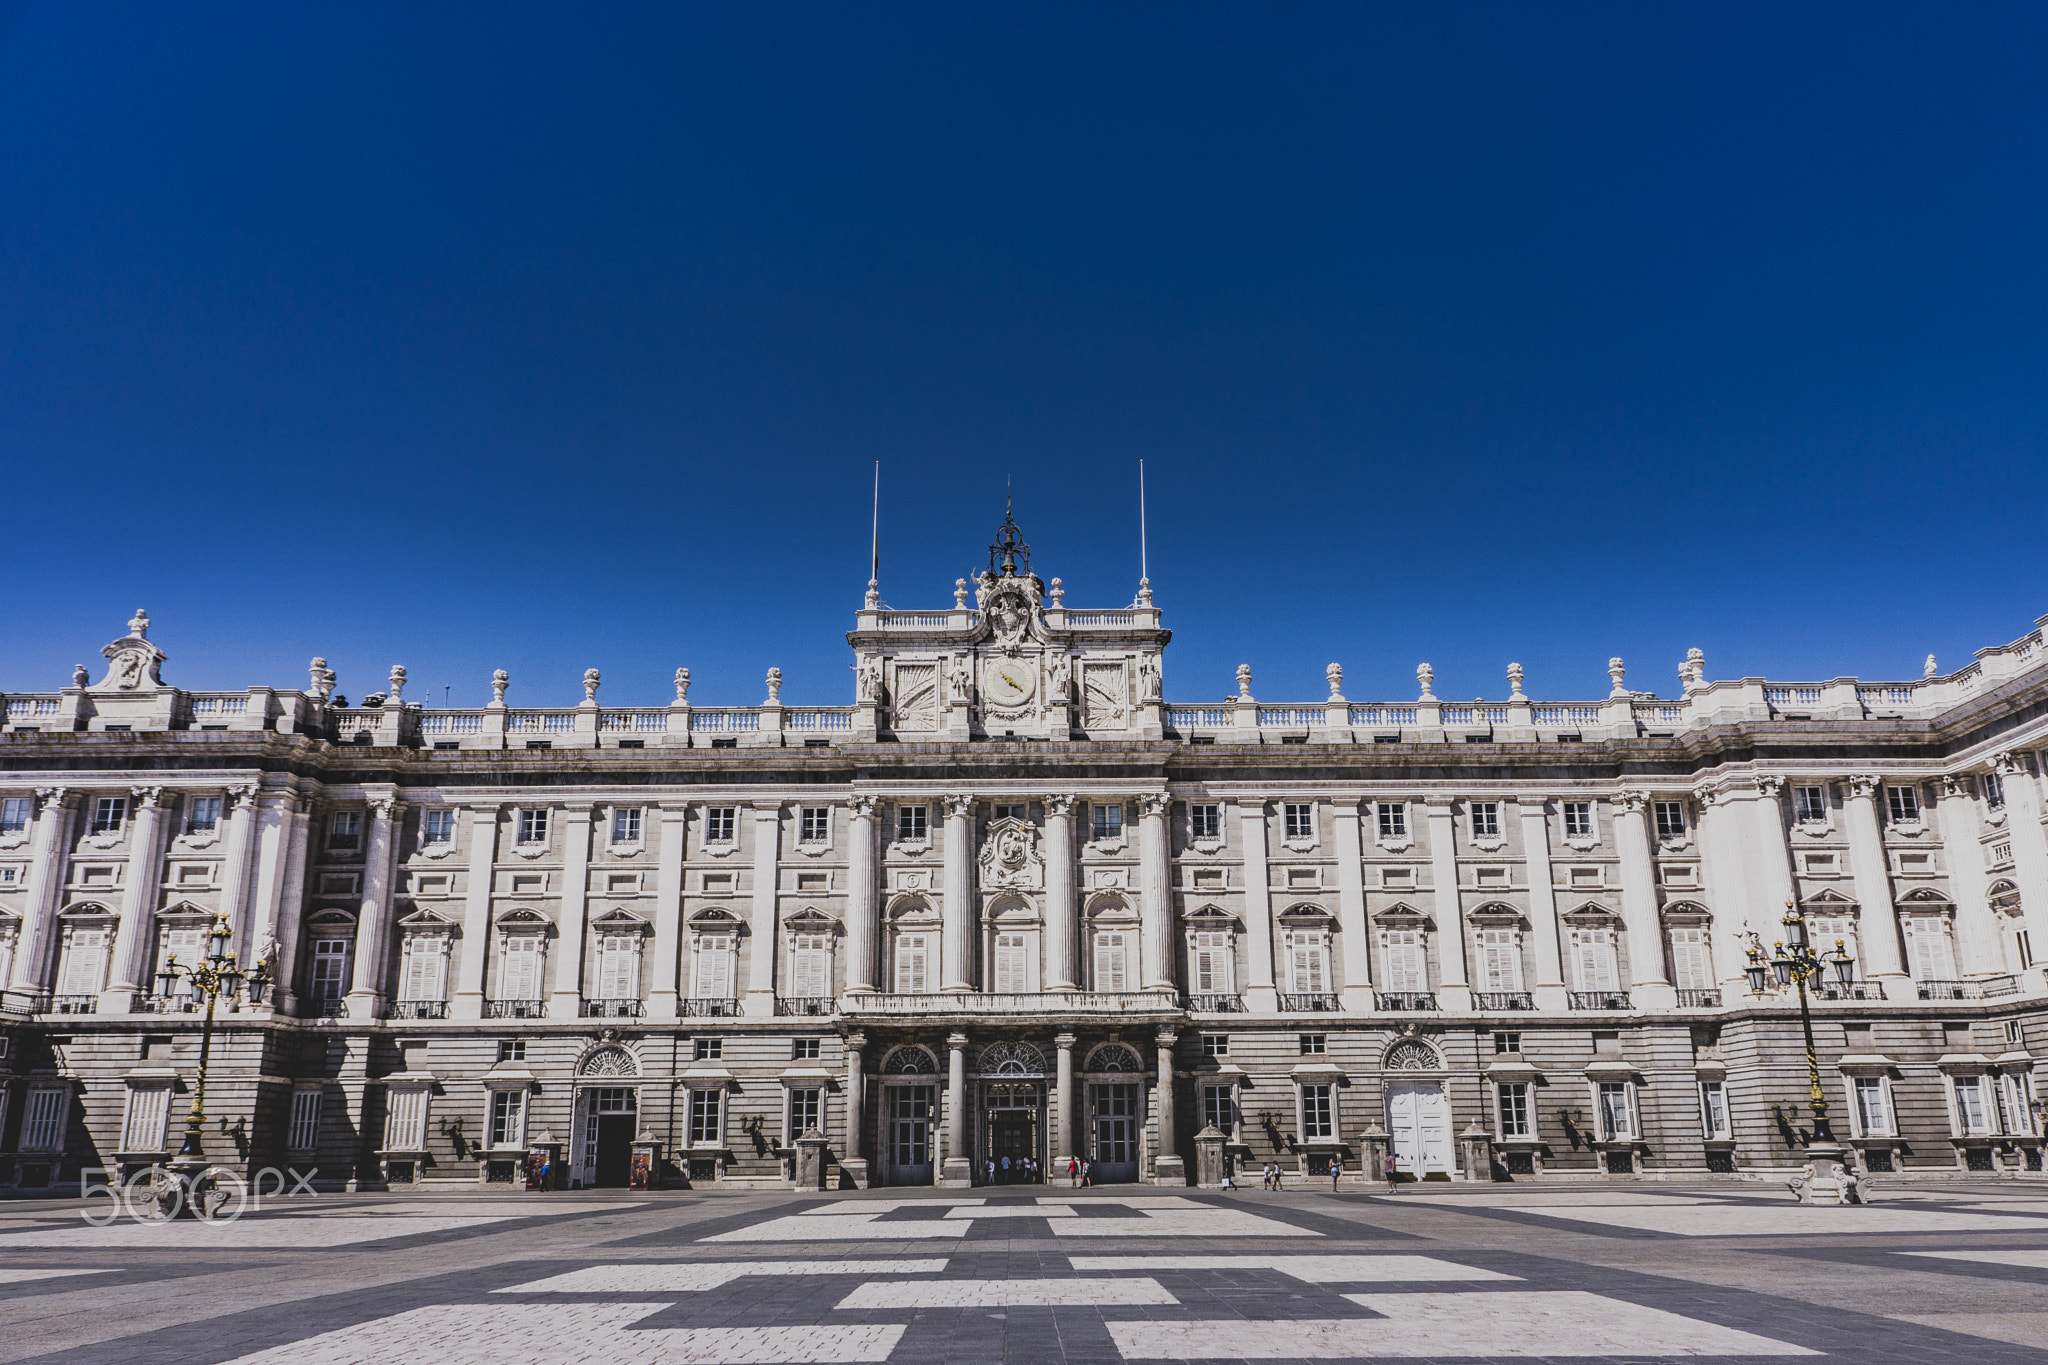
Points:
[[1116, 1113], [607, 1118], [909, 1106], [1012, 1081], [1418, 1111]]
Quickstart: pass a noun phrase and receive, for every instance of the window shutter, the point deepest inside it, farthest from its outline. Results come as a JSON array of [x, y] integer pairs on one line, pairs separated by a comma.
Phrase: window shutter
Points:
[[1109, 962], [1405, 965], [1011, 976], [188, 946], [714, 967], [1689, 965], [910, 964], [808, 961], [1593, 952], [420, 954], [85, 963], [1929, 946], [1822, 933], [521, 977], [147, 1110], [617, 977], [1212, 964], [1306, 949], [1500, 960]]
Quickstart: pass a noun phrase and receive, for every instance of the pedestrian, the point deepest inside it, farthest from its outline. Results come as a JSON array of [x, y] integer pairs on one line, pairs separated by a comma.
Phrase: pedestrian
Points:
[[1087, 1173], [547, 1172], [1278, 1173], [1392, 1170], [990, 1178], [1336, 1170], [1226, 1176], [1266, 1177], [1073, 1172]]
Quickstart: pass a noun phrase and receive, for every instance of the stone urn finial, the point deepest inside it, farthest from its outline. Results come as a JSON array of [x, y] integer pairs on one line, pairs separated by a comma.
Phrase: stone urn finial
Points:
[[591, 678], [1515, 683], [1244, 682], [682, 686], [397, 681], [1426, 676], [774, 687], [1334, 675], [500, 680], [1616, 672]]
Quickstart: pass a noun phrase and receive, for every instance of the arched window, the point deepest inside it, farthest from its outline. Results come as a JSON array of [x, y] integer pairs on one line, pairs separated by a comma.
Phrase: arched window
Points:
[[910, 1061], [1411, 1054], [1114, 1057]]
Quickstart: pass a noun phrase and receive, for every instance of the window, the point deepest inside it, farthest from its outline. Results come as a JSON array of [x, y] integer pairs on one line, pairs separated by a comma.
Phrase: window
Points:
[[804, 1049], [1313, 1044], [810, 965], [705, 1128], [533, 826], [425, 972], [1691, 969], [42, 1126], [1213, 970], [1219, 1109], [519, 968], [1215, 1045], [719, 824], [405, 1121], [437, 827], [1823, 932], [1670, 819], [1010, 811], [1507, 1042], [1994, 791], [1406, 969], [1112, 960], [508, 1118], [618, 967], [1109, 822], [1593, 959], [1578, 819], [511, 1051], [913, 956], [148, 1109], [1617, 1114], [1873, 1108], [1930, 956], [625, 824], [913, 824], [806, 1111], [330, 968], [202, 815], [1485, 819], [1500, 960], [345, 829], [1205, 822], [815, 825], [709, 1050], [305, 1125], [713, 977], [1714, 1112], [15, 813], [187, 946], [1393, 820], [1514, 1109], [1012, 964], [1318, 1115], [1810, 804], [1308, 958], [108, 814], [1301, 821], [1905, 804], [1970, 1110]]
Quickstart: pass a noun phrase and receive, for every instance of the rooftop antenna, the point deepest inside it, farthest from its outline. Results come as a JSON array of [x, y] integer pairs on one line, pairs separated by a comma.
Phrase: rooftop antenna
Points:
[[1144, 568], [874, 598]]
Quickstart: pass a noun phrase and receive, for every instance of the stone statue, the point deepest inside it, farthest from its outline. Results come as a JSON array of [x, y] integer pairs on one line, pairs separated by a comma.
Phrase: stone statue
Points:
[[1148, 679], [774, 687], [591, 678], [682, 687], [80, 677], [1425, 675], [138, 624], [1929, 669], [960, 681], [1060, 677], [867, 678]]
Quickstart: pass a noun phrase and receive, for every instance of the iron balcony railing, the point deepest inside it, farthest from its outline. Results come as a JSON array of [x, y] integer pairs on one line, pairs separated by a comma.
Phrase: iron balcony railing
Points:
[[327, 1009], [712, 1008], [611, 1009], [420, 1009], [515, 1009], [166, 1004], [1505, 1000], [805, 1004], [73, 1004], [1855, 990], [1212, 1003], [1598, 1000], [1308, 1002], [1699, 999], [1407, 1000]]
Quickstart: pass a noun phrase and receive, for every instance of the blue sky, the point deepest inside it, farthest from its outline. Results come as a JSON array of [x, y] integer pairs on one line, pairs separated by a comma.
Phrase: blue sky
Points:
[[555, 338]]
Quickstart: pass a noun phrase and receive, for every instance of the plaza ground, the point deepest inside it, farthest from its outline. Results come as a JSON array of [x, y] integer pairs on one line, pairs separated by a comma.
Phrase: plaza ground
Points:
[[1605, 1271]]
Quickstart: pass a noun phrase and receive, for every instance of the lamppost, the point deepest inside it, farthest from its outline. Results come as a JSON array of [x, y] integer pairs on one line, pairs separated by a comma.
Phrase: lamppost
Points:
[[1794, 962], [211, 976]]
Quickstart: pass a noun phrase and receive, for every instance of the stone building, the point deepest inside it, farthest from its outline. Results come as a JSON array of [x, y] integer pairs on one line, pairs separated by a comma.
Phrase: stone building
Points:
[[1012, 905]]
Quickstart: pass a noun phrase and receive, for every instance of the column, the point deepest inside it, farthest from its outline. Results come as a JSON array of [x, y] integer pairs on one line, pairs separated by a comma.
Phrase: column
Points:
[[1649, 981], [2029, 854], [132, 941], [662, 999], [237, 860], [269, 847], [1883, 957], [1548, 987], [476, 912], [1768, 860], [1721, 882], [856, 1099], [1155, 905], [958, 1169], [957, 941], [760, 999], [1260, 996], [1453, 992], [1351, 908], [45, 883], [1977, 939], [287, 909], [568, 994], [1168, 1168], [1062, 922], [1065, 1124], [373, 915], [863, 891]]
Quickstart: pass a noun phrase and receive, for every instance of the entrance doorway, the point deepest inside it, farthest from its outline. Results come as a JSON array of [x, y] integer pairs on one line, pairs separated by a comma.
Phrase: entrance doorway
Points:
[[611, 1117], [907, 1133], [1013, 1124], [1419, 1128], [1117, 1115]]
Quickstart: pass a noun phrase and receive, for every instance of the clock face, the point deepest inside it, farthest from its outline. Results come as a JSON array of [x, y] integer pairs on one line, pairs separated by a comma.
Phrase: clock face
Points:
[[1009, 682]]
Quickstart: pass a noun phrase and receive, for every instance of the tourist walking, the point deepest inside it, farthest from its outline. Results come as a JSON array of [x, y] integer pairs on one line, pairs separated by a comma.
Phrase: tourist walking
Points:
[[1336, 1170], [1393, 1168], [1073, 1172]]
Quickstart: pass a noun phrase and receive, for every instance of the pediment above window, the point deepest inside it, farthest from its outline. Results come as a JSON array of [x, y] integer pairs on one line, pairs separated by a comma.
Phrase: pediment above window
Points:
[[1496, 915], [521, 918], [620, 922], [1401, 915], [811, 920], [1686, 912]]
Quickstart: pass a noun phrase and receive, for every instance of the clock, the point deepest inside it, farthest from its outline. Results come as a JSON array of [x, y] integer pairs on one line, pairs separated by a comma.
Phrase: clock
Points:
[[1009, 683]]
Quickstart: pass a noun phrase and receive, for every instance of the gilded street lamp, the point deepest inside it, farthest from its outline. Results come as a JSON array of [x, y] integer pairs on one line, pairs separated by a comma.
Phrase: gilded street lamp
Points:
[[1794, 962], [212, 976]]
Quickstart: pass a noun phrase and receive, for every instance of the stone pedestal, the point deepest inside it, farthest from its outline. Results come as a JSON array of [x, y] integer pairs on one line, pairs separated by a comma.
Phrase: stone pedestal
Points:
[[1828, 1177], [956, 1174], [1209, 1165], [1477, 1145], [810, 1161], [854, 1171], [1170, 1170], [1372, 1152]]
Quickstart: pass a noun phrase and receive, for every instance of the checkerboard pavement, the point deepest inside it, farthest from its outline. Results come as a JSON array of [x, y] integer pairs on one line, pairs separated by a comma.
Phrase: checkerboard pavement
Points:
[[1597, 1273]]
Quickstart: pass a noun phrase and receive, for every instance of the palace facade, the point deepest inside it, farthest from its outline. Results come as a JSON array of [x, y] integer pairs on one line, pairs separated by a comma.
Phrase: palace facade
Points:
[[1010, 908]]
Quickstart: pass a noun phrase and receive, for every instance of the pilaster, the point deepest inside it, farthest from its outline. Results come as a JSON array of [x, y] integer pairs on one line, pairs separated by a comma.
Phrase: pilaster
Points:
[[1454, 991], [1649, 980], [1261, 997], [1884, 957], [1351, 925]]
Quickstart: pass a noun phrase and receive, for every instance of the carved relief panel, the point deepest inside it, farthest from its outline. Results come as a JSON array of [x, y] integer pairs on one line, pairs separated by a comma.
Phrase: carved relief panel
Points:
[[916, 697], [1105, 696]]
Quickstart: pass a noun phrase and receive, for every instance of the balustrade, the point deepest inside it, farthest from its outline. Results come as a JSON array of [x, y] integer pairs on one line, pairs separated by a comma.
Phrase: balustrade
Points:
[[731, 719], [419, 1009], [612, 722], [804, 1004], [819, 719], [452, 723], [1698, 999]]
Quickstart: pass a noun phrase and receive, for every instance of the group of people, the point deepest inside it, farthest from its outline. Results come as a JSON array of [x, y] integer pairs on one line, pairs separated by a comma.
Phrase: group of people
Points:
[[1005, 1171], [1270, 1178]]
